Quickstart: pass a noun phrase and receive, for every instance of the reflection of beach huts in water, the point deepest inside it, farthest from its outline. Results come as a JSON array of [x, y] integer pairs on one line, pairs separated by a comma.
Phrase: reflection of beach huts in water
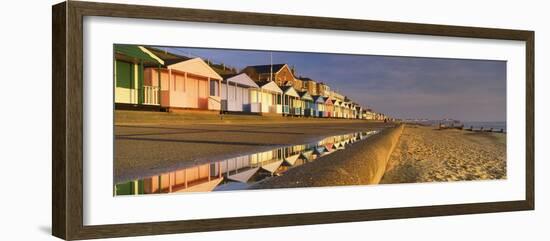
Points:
[[232, 165], [266, 99], [320, 151], [225, 174], [199, 178], [307, 155], [236, 93], [292, 158], [258, 158], [291, 101], [188, 84], [319, 105], [130, 88], [237, 169], [267, 161], [308, 105]]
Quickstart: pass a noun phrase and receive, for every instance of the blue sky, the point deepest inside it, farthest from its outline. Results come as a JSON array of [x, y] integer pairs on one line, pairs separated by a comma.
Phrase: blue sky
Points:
[[403, 87]]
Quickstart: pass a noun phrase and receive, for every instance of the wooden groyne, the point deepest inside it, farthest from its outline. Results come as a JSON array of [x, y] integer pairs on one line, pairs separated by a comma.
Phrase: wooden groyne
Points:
[[481, 129], [452, 126], [471, 128]]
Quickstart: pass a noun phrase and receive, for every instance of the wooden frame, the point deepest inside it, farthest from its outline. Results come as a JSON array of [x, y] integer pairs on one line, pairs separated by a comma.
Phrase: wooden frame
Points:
[[67, 123]]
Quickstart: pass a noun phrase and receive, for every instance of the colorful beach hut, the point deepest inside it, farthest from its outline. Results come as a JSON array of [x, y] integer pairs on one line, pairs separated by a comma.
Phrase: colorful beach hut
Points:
[[188, 84], [291, 99], [337, 108], [236, 93], [267, 98], [329, 107], [307, 104], [358, 112], [346, 110], [319, 105], [130, 88]]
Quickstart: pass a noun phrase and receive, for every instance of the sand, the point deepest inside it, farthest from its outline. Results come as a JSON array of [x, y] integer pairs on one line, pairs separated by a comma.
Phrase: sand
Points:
[[425, 154]]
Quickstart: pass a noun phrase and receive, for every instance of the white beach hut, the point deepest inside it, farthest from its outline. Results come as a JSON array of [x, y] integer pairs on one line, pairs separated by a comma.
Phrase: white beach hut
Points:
[[236, 92], [266, 99]]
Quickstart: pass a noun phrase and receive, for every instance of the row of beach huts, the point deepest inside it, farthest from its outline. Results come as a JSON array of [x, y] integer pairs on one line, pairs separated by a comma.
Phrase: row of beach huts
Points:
[[154, 79]]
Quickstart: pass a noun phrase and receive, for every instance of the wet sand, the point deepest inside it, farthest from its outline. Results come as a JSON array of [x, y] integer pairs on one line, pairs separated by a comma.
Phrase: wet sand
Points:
[[425, 154], [148, 149]]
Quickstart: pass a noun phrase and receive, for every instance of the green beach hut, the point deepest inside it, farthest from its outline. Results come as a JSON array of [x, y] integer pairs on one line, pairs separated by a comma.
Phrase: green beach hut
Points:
[[130, 90]]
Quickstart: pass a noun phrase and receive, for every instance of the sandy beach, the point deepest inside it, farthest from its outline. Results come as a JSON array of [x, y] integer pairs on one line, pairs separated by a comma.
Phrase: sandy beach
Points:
[[425, 154]]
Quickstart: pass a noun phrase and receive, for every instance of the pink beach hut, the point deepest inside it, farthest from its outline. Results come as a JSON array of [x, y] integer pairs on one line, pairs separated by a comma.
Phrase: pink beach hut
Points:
[[189, 84]]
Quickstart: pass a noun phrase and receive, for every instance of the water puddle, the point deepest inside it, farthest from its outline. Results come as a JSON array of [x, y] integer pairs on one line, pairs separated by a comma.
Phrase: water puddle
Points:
[[240, 172]]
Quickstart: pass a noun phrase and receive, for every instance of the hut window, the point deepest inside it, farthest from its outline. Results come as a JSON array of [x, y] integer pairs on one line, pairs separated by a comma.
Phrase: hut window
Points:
[[214, 88]]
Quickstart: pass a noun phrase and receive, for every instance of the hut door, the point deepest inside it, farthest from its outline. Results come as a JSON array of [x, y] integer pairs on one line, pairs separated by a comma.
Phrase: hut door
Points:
[[203, 94]]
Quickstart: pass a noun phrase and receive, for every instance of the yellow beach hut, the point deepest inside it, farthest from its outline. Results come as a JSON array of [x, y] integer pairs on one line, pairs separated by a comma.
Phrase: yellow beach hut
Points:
[[267, 98]]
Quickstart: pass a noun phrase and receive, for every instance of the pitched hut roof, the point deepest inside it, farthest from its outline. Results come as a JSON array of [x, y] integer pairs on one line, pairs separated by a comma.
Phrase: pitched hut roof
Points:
[[244, 176], [196, 66], [305, 95], [202, 187], [169, 58], [137, 53], [270, 85], [318, 99], [223, 69], [290, 91], [240, 79], [329, 101]]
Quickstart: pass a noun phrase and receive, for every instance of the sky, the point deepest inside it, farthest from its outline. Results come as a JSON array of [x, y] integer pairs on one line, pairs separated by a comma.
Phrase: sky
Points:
[[402, 87]]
